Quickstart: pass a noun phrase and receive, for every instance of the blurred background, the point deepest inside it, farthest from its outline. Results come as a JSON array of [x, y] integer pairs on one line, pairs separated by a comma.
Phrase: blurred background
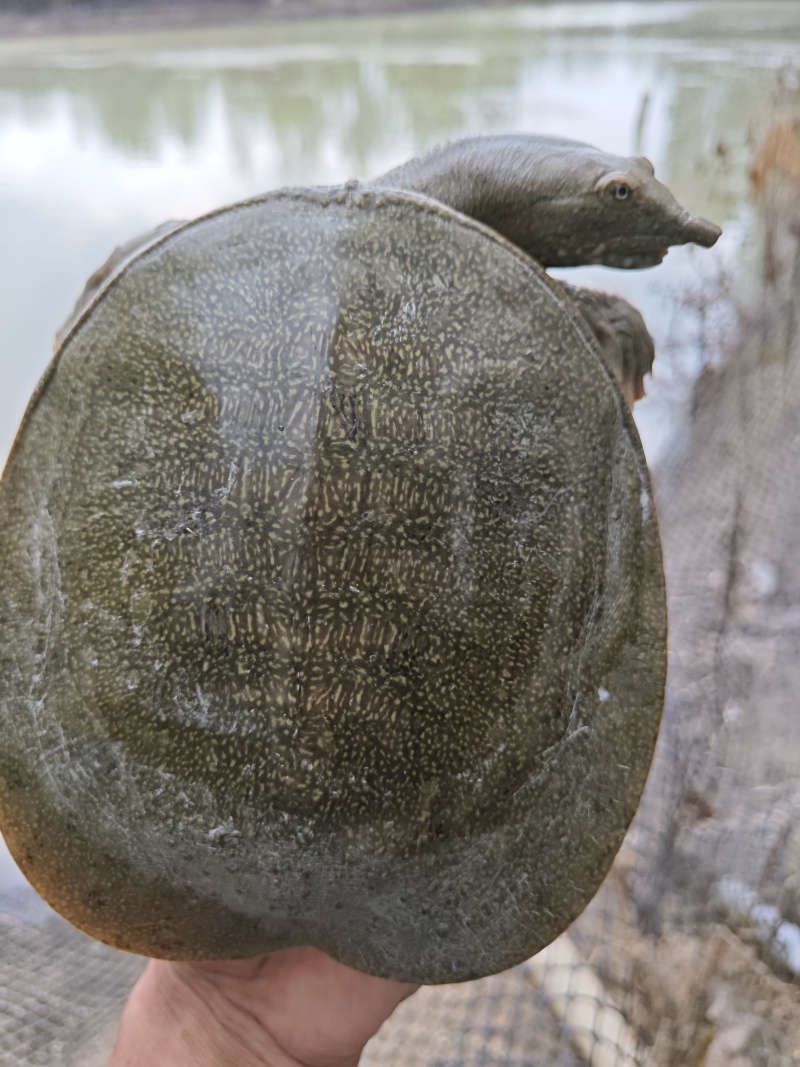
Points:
[[691, 952], [103, 137]]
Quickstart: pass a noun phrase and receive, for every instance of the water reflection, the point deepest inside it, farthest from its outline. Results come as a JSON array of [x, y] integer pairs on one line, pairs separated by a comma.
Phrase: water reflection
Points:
[[103, 138]]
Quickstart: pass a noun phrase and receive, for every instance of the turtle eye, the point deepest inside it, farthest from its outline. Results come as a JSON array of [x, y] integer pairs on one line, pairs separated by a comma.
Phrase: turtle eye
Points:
[[620, 191]]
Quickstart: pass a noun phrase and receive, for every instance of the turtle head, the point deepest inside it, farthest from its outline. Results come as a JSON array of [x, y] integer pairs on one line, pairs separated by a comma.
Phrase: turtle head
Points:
[[578, 205], [631, 219], [566, 204]]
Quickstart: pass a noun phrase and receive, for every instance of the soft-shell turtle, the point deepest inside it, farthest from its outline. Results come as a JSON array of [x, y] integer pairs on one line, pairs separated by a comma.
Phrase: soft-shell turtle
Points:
[[332, 609]]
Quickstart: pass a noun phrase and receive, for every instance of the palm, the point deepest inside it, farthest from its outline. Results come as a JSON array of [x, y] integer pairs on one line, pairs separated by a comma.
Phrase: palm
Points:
[[289, 1008]]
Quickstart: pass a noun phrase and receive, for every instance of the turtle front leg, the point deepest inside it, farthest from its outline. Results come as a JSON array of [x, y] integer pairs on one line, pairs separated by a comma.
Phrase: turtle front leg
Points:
[[623, 339]]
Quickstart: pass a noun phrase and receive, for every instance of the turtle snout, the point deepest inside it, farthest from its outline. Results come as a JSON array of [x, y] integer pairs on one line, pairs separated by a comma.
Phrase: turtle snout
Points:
[[699, 231]]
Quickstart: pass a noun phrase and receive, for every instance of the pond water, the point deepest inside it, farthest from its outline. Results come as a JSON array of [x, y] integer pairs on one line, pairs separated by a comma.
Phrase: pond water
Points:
[[102, 138]]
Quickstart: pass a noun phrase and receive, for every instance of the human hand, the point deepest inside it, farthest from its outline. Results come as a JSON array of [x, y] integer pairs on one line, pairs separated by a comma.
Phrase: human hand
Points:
[[295, 1008]]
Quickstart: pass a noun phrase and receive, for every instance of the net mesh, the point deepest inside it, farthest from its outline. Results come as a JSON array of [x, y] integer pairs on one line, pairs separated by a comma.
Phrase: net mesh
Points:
[[690, 953], [61, 994]]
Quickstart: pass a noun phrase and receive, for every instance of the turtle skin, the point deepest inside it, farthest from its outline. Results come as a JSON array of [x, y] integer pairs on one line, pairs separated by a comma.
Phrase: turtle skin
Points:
[[331, 600]]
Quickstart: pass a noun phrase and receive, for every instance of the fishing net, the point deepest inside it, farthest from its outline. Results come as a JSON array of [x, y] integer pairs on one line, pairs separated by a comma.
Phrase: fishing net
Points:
[[690, 952]]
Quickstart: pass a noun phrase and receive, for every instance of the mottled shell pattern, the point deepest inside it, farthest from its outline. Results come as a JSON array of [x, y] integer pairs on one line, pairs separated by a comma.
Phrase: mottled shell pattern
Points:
[[331, 601]]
